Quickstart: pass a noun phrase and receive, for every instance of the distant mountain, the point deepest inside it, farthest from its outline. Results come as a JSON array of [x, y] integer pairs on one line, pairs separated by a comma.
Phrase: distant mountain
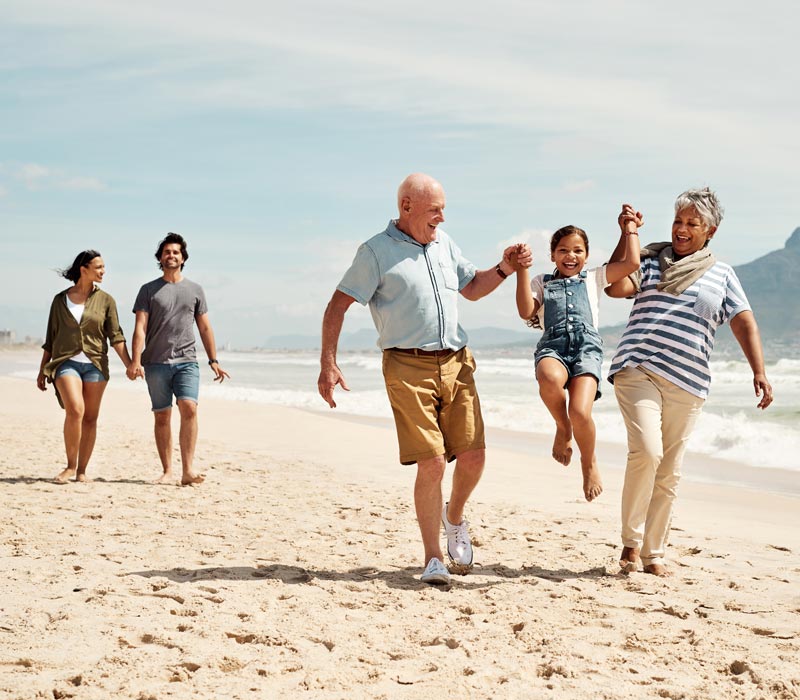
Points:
[[772, 284]]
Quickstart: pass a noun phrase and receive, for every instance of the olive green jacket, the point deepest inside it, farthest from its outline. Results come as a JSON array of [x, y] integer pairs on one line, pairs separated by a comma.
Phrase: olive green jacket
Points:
[[66, 338]]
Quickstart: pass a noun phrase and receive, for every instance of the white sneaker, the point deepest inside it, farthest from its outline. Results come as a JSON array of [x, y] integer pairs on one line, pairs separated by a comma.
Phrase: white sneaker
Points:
[[459, 546], [435, 573]]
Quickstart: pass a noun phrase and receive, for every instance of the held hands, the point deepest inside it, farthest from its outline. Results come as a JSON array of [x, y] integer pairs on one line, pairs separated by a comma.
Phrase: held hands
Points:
[[518, 256], [134, 370], [629, 219], [329, 377]]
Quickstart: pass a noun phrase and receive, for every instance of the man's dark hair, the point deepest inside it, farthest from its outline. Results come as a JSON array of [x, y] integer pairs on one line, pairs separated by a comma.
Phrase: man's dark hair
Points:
[[172, 238]]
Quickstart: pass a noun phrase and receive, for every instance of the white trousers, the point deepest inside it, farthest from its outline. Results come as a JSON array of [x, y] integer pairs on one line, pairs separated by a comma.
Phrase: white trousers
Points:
[[659, 417]]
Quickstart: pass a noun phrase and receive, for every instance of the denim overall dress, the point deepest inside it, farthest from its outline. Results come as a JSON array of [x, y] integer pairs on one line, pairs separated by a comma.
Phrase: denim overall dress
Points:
[[569, 333]]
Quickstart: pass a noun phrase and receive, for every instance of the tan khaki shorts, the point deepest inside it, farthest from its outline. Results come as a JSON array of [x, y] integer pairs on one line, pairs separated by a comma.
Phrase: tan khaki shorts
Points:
[[435, 404]]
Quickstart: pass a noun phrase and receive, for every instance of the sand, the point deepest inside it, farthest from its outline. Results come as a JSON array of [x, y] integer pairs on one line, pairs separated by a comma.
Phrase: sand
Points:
[[293, 572]]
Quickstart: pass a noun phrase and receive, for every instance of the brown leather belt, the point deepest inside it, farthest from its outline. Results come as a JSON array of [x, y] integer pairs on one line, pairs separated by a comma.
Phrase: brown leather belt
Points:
[[424, 353]]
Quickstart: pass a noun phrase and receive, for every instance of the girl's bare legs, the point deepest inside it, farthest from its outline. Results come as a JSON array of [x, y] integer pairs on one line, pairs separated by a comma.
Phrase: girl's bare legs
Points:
[[582, 390], [552, 376]]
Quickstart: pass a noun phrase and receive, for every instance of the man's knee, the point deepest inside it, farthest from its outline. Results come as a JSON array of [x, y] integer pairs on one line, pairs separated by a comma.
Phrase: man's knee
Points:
[[188, 409], [162, 418], [473, 460], [432, 469]]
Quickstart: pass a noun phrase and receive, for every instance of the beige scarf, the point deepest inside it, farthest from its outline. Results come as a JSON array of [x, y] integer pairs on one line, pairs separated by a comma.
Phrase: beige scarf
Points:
[[676, 275]]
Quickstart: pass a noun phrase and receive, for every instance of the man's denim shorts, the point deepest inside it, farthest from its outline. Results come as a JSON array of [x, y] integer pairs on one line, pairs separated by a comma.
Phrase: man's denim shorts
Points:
[[85, 371], [165, 381]]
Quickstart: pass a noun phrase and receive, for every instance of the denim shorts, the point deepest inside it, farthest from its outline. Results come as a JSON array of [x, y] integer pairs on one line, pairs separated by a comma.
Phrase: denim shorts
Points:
[[165, 381], [580, 350], [85, 371]]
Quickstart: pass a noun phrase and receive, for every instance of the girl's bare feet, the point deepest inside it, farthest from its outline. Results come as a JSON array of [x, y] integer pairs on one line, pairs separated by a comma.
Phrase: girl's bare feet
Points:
[[592, 483], [562, 445]]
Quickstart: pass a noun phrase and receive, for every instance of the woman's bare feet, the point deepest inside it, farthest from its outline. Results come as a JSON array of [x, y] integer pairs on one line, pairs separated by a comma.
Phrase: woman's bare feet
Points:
[[562, 445], [192, 479], [657, 570], [592, 483], [65, 476], [82, 478], [168, 477], [629, 560]]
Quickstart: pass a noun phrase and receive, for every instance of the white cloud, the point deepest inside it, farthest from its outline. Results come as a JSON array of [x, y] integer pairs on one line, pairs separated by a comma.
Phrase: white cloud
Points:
[[32, 175], [579, 186], [90, 184], [38, 177]]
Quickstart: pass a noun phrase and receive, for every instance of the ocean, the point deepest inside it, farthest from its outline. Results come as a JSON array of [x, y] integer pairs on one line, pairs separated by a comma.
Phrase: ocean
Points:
[[730, 429]]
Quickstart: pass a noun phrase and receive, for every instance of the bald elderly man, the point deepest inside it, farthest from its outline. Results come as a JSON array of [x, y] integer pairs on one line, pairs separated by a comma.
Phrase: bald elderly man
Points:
[[411, 274]]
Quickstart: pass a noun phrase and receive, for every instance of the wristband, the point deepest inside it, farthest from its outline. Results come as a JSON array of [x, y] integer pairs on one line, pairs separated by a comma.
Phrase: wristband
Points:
[[499, 271], [212, 362]]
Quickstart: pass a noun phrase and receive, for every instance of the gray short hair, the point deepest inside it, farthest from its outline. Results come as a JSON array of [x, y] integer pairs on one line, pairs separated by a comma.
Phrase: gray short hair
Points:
[[705, 202]]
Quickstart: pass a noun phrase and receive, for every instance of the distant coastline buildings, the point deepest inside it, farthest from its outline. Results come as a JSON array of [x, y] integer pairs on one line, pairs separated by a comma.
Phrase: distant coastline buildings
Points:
[[7, 337]]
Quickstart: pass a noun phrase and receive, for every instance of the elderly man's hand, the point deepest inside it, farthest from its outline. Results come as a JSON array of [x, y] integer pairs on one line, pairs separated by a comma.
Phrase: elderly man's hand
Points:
[[329, 377], [518, 256]]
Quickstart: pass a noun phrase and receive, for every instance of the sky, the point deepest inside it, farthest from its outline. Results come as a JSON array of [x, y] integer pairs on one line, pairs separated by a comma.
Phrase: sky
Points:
[[273, 136]]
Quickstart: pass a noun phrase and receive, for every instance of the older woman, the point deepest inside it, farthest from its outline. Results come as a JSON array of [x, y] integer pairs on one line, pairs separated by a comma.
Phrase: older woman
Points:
[[75, 356], [660, 371]]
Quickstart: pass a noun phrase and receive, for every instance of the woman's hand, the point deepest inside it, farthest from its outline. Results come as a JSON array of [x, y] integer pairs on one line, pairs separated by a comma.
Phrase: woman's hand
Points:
[[41, 381], [628, 215]]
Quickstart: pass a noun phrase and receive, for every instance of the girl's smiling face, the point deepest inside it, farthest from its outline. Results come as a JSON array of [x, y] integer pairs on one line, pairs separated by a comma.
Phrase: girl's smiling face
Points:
[[570, 255]]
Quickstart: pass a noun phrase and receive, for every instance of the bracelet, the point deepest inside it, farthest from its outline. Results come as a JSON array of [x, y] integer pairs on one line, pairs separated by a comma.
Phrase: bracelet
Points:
[[212, 362], [631, 233], [499, 271]]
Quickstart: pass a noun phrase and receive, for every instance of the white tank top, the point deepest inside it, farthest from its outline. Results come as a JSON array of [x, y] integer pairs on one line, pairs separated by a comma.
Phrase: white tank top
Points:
[[77, 311]]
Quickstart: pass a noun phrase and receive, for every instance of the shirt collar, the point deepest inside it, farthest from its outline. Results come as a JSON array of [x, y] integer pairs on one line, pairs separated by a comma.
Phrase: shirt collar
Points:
[[393, 232]]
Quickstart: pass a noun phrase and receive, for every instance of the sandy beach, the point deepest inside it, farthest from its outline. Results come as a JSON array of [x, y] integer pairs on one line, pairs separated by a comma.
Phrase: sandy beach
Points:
[[293, 571]]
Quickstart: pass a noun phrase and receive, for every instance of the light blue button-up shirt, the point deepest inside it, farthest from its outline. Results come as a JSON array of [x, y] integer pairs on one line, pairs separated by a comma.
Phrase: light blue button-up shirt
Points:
[[412, 290]]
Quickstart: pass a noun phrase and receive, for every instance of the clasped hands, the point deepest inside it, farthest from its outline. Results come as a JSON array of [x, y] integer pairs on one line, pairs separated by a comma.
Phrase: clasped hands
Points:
[[518, 256]]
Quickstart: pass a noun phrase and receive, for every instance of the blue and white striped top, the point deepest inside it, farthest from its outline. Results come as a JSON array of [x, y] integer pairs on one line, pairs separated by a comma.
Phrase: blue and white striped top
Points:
[[672, 336]]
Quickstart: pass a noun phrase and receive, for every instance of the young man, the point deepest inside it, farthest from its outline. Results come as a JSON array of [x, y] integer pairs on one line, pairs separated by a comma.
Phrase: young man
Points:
[[164, 353]]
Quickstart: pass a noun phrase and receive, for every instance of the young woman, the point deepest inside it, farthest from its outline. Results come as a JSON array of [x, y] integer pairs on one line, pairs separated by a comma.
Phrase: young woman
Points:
[[83, 321]]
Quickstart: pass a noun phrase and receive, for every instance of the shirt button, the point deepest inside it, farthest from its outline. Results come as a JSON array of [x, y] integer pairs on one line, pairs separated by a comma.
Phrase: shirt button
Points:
[[569, 328], [569, 294], [570, 306]]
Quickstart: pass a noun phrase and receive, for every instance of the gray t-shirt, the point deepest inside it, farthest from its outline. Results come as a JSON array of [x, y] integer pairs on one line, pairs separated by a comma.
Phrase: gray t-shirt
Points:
[[171, 308]]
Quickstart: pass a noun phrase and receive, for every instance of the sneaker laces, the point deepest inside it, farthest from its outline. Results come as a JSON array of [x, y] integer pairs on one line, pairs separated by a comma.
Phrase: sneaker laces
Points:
[[460, 533]]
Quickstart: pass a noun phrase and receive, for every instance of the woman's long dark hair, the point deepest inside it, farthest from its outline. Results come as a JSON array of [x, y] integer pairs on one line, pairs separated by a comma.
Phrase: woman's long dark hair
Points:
[[73, 272]]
